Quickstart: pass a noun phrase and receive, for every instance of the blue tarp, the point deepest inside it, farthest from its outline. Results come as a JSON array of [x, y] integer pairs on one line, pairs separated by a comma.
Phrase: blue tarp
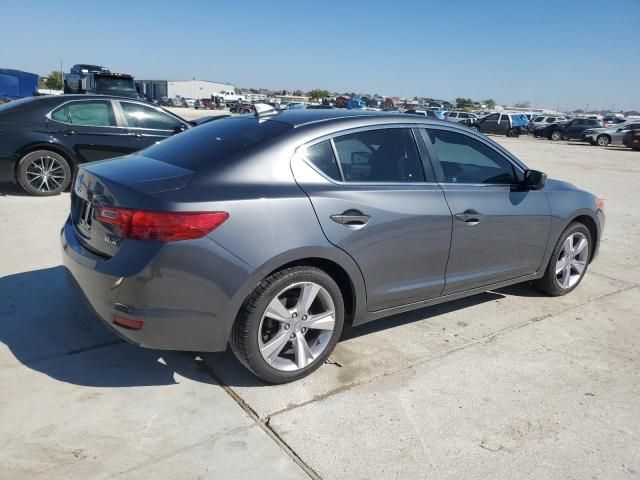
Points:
[[519, 120], [16, 84]]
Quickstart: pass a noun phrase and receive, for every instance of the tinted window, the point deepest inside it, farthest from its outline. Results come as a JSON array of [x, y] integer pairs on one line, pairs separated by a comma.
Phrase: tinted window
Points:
[[321, 156], [463, 115], [634, 126], [453, 115], [504, 119], [213, 142], [382, 155], [92, 114], [141, 116], [551, 119], [591, 122], [539, 119], [493, 117], [466, 160]]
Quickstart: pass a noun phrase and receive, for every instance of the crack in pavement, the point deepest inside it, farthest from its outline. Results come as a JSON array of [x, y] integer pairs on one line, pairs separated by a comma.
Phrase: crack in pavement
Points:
[[478, 341], [263, 424]]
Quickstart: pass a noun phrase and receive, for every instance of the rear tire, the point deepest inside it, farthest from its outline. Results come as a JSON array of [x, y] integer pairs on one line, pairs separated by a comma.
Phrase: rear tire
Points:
[[603, 140], [273, 315], [553, 282], [514, 132], [44, 173], [556, 136]]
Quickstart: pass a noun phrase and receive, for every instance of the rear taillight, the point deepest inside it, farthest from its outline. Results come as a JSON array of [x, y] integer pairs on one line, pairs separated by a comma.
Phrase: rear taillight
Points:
[[161, 226]]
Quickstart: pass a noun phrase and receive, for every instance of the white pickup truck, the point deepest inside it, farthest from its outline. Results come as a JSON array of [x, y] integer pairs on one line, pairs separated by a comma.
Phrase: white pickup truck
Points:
[[230, 96]]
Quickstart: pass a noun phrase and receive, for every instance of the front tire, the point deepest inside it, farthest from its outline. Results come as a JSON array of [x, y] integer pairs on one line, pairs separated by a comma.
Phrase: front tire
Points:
[[556, 136], [568, 263], [44, 173], [289, 325], [514, 132]]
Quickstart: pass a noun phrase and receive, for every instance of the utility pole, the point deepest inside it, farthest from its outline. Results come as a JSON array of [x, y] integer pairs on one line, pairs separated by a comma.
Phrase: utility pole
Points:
[[61, 75]]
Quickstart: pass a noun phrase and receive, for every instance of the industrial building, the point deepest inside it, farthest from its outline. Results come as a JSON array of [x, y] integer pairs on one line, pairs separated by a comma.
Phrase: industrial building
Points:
[[156, 89]]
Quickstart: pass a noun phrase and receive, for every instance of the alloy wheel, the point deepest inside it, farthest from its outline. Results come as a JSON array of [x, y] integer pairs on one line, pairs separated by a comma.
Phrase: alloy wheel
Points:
[[556, 136], [45, 174], [572, 260], [603, 140], [296, 327]]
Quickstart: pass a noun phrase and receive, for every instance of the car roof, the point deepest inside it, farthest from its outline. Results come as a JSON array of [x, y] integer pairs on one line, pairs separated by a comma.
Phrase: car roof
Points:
[[298, 118]]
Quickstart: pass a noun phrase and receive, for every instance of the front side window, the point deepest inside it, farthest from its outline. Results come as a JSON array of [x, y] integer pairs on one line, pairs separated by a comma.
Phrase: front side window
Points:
[[504, 119], [380, 155], [466, 160], [539, 119], [141, 116], [492, 118], [321, 156], [97, 113]]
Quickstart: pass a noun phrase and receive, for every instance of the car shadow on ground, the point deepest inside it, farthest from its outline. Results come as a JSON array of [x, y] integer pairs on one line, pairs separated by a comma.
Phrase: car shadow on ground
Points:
[[47, 326], [12, 190]]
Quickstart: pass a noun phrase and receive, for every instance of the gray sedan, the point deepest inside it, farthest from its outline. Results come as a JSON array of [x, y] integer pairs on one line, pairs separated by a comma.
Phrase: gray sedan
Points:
[[273, 232], [609, 136]]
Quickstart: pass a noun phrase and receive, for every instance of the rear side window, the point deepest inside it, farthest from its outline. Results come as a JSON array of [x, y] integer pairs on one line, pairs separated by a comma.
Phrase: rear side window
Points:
[[321, 156], [466, 160], [380, 155], [208, 144], [539, 119], [89, 114]]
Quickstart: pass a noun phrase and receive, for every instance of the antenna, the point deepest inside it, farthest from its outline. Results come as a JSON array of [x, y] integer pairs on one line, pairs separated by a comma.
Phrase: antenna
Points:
[[264, 110]]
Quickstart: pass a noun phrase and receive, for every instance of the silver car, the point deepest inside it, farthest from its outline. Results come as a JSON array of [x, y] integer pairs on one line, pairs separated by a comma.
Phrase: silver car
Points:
[[609, 136], [273, 232]]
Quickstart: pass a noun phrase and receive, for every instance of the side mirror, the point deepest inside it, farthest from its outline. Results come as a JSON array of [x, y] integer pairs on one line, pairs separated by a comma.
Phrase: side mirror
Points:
[[180, 128], [534, 180]]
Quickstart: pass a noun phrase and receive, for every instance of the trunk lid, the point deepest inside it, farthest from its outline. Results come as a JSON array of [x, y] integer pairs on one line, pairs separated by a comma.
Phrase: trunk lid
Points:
[[122, 182]]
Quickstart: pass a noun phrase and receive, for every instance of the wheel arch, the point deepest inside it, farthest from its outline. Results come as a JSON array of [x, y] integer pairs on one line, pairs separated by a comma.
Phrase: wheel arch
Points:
[[337, 263], [591, 225], [53, 147]]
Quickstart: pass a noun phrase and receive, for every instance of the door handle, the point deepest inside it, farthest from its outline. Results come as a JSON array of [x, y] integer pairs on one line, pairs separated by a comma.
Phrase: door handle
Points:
[[351, 218], [470, 217], [68, 132]]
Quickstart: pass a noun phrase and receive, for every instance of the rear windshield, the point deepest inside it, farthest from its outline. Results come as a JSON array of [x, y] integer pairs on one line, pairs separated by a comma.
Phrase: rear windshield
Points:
[[212, 142]]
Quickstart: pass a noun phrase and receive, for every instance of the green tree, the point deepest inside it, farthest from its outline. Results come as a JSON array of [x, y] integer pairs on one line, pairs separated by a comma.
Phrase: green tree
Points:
[[54, 81], [318, 94], [490, 103]]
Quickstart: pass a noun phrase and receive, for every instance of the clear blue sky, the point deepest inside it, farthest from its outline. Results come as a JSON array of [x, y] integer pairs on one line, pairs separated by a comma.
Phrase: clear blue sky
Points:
[[548, 52]]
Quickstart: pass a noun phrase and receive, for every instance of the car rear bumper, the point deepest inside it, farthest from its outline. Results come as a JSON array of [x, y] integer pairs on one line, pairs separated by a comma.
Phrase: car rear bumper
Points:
[[183, 301]]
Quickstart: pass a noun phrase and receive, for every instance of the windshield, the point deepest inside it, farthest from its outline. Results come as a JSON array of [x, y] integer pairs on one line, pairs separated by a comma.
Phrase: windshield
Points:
[[115, 84]]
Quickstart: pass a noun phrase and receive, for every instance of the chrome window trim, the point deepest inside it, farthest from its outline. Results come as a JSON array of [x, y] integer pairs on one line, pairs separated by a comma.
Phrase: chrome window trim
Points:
[[117, 111], [76, 100], [331, 136]]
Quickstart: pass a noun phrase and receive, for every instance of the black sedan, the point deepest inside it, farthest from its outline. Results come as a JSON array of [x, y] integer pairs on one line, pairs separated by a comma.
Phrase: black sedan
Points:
[[571, 129], [44, 139]]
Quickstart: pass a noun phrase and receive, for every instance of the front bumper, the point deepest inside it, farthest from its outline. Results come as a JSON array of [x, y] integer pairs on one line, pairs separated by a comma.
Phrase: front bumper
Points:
[[601, 223], [182, 300]]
